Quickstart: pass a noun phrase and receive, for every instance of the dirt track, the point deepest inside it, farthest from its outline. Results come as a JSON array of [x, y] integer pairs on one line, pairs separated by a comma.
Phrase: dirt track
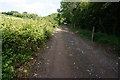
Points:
[[67, 55]]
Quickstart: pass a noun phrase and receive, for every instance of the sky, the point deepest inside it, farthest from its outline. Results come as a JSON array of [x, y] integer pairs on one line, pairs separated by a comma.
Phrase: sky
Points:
[[40, 7]]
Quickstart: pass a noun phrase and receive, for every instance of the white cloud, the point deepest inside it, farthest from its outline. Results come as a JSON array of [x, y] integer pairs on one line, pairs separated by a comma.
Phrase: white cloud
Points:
[[36, 7]]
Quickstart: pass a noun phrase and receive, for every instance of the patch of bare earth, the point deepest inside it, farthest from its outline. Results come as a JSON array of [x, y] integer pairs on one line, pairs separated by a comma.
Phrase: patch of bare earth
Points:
[[67, 55]]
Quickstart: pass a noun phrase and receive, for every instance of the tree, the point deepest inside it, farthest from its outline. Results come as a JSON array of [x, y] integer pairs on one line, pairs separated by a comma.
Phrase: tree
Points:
[[85, 15], [25, 12]]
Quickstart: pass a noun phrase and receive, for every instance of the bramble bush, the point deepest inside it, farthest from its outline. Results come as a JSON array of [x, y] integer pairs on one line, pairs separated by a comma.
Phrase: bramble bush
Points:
[[20, 37]]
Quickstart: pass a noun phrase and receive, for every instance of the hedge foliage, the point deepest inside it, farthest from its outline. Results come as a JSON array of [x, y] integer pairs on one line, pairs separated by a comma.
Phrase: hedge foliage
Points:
[[20, 37]]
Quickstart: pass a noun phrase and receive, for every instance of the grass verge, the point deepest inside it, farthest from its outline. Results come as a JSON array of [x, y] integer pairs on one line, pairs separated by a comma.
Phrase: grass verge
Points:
[[99, 37]]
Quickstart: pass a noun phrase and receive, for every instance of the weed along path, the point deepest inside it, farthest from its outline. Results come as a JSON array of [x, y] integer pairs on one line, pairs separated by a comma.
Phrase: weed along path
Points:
[[67, 55]]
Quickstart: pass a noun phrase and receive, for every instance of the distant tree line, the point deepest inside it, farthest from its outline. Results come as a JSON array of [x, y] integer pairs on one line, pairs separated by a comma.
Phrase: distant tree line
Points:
[[21, 15], [104, 16]]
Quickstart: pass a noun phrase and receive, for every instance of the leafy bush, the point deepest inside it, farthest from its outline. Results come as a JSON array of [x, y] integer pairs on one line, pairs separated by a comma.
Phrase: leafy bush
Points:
[[20, 37]]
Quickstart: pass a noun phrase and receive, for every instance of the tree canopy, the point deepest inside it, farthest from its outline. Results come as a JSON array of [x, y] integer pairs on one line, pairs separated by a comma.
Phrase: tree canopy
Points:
[[103, 15]]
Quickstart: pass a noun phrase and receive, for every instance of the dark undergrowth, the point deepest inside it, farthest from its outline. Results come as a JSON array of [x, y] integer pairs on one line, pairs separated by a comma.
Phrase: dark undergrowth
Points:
[[99, 37]]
